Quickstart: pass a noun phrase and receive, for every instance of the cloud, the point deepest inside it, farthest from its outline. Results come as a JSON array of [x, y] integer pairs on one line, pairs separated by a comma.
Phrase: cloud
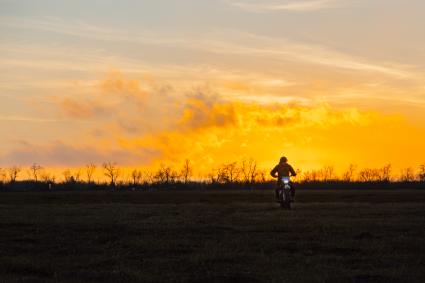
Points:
[[116, 84], [210, 131], [107, 98], [15, 118], [224, 42], [284, 50], [197, 113], [134, 121], [61, 154], [76, 109], [212, 134], [295, 6], [199, 124]]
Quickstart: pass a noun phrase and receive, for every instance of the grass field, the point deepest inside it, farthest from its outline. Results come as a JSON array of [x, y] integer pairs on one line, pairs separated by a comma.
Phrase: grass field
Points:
[[211, 236]]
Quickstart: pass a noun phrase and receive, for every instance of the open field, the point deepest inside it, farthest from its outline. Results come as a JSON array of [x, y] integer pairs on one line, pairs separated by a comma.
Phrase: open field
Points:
[[212, 236]]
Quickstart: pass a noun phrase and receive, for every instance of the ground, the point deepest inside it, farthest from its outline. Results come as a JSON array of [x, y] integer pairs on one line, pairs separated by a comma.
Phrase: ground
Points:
[[212, 236]]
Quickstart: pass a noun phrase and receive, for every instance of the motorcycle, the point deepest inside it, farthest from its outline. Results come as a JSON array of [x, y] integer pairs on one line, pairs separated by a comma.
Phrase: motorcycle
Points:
[[284, 193]]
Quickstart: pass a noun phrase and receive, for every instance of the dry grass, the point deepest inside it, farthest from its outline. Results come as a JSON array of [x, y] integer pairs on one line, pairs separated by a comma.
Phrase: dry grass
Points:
[[237, 236]]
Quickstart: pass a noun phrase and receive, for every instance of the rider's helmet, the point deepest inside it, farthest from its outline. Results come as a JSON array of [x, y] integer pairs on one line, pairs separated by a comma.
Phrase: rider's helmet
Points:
[[283, 159]]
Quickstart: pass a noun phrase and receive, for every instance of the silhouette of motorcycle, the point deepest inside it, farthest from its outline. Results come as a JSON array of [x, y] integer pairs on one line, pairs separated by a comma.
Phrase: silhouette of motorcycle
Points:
[[284, 193]]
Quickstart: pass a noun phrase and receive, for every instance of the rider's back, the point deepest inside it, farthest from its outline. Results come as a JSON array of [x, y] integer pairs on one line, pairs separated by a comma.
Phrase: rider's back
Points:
[[283, 169]]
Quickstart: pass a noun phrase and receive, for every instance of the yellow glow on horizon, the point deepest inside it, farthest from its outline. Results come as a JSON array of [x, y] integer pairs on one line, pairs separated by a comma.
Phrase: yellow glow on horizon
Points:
[[213, 130]]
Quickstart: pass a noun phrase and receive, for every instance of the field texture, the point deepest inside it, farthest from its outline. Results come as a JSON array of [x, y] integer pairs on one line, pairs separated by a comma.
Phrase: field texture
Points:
[[211, 236]]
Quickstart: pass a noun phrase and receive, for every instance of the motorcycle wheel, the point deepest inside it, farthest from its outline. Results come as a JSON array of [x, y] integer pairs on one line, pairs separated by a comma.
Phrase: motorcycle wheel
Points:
[[286, 201]]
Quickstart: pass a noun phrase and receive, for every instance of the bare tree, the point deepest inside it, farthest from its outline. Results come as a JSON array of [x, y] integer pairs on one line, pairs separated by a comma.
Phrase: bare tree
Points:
[[312, 176], [2, 175], [261, 176], [407, 175], [421, 174], [384, 173], [13, 173], [77, 175], [327, 173], [149, 177], [230, 172], [136, 176], [348, 175], [186, 171], [213, 177], [90, 168], [35, 171], [112, 172], [46, 177], [165, 175], [68, 177], [249, 170], [368, 175]]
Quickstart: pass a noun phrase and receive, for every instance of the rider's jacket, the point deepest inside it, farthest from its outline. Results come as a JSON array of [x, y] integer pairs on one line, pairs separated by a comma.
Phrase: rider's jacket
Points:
[[283, 169]]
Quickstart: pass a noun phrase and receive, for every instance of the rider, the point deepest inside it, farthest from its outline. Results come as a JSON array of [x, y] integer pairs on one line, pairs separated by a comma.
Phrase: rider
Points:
[[283, 169]]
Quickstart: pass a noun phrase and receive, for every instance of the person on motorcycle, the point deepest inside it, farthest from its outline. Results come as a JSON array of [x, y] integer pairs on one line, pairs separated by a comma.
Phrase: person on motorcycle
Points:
[[283, 169]]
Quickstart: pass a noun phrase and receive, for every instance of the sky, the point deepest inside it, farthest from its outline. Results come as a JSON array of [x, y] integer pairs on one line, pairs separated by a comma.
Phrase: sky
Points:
[[143, 83]]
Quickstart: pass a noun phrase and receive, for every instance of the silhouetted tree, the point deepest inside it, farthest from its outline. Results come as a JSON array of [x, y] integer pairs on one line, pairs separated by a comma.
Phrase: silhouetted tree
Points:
[[186, 171], [149, 177], [327, 173], [249, 170], [13, 173], [230, 172], [35, 171], [261, 176], [348, 175], [407, 175], [71, 177], [46, 177], [77, 175], [136, 176], [213, 177], [2, 175], [421, 174], [312, 176], [67, 175], [367, 175], [165, 175], [384, 174], [112, 172], [90, 168]]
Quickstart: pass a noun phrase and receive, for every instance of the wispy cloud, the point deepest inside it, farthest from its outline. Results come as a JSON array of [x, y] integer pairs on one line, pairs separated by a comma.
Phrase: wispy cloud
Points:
[[29, 119], [225, 42], [296, 6], [280, 49]]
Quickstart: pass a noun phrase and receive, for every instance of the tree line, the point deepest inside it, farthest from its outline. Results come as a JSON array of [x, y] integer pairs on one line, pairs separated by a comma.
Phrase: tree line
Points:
[[243, 172]]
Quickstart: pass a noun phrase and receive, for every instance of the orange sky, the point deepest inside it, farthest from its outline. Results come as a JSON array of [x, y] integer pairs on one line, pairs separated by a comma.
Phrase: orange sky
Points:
[[80, 88]]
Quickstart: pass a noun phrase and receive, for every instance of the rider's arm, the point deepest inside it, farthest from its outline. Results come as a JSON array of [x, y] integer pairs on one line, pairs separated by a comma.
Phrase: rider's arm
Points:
[[293, 173], [274, 172]]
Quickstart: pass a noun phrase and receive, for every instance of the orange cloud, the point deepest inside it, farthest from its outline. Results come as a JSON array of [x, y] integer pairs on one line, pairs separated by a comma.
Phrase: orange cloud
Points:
[[115, 83], [172, 126], [77, 109], [310, 136]]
